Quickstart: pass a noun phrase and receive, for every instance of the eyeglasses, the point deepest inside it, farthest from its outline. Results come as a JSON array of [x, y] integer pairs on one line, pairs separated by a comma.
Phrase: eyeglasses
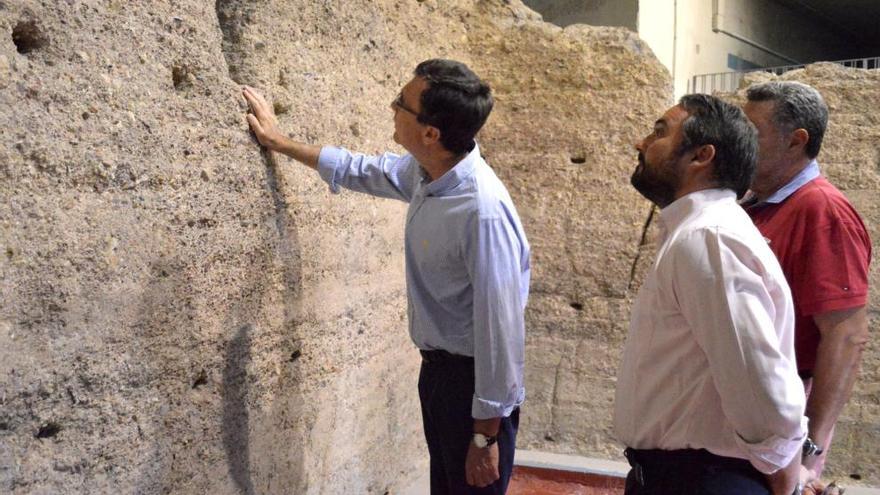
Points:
[[398, 103]]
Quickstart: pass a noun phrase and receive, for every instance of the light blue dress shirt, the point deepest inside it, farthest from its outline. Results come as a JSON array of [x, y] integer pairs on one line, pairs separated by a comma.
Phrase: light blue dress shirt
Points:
[[467, 263]]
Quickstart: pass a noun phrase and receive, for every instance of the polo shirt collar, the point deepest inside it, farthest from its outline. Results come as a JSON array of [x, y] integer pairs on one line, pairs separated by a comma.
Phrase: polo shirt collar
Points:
[[810, 172], [454, 176]]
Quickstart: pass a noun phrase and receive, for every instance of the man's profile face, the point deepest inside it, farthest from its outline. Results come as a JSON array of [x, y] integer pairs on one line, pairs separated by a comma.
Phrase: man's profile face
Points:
[[659, 172], [772, 143], [407, 129]]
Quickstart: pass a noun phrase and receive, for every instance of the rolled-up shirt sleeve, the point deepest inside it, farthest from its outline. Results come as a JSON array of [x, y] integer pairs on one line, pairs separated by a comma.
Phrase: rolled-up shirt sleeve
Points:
[[386, 176], [728, 301], [499, 269]]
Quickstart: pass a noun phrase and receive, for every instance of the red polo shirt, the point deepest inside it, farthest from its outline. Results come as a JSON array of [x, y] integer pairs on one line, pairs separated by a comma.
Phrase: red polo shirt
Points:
[[824, 250]]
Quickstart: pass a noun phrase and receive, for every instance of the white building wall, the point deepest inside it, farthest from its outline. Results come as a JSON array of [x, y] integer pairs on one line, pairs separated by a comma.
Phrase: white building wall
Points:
[[704, 33], [692, 37]]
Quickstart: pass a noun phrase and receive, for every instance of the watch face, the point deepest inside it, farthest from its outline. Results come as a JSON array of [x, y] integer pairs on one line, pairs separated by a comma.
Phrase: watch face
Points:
[[480, 440]]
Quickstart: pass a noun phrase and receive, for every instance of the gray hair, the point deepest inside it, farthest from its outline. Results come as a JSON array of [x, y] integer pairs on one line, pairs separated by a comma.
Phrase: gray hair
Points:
[[797, 106]]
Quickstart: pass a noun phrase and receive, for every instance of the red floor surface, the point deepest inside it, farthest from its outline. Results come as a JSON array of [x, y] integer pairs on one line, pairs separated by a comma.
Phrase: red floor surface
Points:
[[534, 481]]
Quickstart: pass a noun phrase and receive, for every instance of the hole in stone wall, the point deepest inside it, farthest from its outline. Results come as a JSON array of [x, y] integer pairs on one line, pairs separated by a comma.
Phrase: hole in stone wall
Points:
[[856, 476], [578, 159], [181, 77], [178, 76], [577, 306], [28, 37], [48, 430], [280, 108], [200, 380], [295, 355], [4, 426]]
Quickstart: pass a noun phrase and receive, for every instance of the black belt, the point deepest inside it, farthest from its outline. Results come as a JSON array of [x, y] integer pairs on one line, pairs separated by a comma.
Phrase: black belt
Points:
[[441, 356], [646, 461]]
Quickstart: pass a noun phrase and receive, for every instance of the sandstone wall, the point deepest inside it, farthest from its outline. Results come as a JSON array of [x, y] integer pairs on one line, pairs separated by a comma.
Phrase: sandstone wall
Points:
[[850, 158], [180, 313]]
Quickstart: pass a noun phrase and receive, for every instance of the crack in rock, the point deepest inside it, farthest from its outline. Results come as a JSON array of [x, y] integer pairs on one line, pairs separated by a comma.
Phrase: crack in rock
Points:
[[643, 240]]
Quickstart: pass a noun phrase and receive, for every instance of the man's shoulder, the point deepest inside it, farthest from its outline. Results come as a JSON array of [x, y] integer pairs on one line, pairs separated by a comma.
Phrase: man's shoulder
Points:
[[723, 224], [818, 194], [491, 197], [820, 203]]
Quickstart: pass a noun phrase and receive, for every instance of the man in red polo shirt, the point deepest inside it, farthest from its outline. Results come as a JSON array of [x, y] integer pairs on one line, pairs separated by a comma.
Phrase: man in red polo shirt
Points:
[[822, 245]]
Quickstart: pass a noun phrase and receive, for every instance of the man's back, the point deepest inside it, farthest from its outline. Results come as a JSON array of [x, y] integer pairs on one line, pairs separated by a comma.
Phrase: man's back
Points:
[[824, 249]]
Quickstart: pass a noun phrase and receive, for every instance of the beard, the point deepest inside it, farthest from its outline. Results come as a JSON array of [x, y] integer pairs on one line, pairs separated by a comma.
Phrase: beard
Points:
[[657, 184]]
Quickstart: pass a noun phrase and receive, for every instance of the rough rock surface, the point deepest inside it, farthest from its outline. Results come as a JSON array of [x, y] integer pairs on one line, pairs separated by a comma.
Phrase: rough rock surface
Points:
[[180, 313], [850, 158]]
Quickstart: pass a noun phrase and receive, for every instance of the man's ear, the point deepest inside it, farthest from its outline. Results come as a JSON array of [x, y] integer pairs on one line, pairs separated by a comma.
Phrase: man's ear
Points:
[[704, 155], [431, 135], [799, 139]]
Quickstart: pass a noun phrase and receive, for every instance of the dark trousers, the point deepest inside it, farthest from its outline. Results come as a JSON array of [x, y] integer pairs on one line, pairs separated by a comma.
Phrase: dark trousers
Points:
[[691, 472], [446, 391]]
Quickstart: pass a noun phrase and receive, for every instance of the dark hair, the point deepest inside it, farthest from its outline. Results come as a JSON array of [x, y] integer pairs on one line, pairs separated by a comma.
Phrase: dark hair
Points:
[[456, 102], [724, 126], [797, 106]]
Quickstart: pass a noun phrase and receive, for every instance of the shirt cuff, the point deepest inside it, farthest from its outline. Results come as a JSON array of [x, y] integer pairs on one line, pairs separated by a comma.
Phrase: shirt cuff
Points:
[[774, 453], [328, 160], [487, 409]]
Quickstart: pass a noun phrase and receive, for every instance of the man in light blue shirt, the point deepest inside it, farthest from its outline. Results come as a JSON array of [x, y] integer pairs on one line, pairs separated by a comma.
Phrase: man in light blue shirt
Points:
[[467, 266]]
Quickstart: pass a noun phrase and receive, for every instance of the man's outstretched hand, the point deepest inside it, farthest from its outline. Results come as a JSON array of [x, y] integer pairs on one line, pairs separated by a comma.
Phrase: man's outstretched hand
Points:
[[262, 119]]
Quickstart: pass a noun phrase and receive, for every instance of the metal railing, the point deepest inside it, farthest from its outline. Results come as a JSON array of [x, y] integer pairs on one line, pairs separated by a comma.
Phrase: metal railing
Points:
[[728, 82]]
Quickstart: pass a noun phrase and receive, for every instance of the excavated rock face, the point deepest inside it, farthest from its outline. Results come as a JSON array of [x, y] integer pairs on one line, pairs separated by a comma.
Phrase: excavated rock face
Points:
[[850, 159], [180, 313]]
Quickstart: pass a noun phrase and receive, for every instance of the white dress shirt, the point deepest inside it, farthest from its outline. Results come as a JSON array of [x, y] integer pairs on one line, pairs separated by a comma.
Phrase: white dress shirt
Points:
[[709, 359]]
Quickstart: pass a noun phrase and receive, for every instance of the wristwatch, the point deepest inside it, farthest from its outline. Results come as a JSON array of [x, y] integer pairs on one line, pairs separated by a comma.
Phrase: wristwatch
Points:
[[811, 448], [482, 441]]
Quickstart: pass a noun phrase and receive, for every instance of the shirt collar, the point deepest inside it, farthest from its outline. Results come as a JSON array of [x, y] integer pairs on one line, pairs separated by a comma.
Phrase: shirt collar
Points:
[[676, 212], [454, 176], [810, 172]]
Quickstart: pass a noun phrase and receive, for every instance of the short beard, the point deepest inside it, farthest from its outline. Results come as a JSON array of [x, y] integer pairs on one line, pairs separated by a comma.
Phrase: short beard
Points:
[[658, 185]]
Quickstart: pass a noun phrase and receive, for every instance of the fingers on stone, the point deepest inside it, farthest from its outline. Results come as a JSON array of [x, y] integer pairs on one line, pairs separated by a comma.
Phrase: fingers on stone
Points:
[[253, 121]]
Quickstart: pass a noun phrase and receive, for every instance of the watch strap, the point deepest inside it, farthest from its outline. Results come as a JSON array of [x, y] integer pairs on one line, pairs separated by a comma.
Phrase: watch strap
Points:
[[811, 448]]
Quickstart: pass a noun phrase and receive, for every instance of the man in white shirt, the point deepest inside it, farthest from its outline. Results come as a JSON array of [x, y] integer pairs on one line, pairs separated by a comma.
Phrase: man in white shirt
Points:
[[708, 396]]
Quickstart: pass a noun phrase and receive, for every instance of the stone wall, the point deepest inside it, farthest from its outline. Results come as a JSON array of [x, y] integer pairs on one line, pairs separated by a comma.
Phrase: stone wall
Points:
[[619, 13], [180, 313]]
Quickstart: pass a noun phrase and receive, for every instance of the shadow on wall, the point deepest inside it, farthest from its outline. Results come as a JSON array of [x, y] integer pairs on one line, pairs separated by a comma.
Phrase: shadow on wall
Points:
[[279, 437], [259, 359], [236, 433]]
